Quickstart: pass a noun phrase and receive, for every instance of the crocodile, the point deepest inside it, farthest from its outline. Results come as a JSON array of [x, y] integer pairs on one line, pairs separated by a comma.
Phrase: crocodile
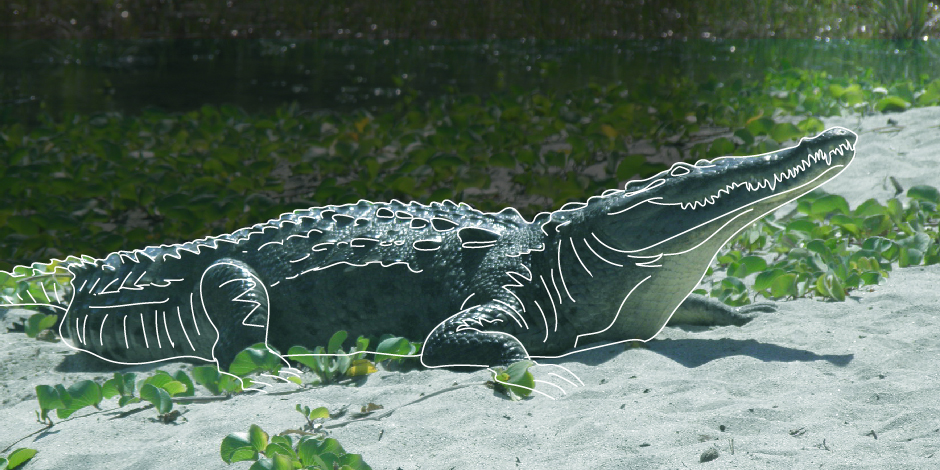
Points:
[[483, 289]]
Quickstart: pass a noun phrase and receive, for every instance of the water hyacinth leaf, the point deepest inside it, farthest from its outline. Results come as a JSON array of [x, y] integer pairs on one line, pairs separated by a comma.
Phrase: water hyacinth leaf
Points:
[[236, 447], [158, 397], [263, 464]]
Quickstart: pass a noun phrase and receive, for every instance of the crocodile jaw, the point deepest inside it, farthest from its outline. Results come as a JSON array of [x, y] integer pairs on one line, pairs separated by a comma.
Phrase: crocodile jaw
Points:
[[665, 230]]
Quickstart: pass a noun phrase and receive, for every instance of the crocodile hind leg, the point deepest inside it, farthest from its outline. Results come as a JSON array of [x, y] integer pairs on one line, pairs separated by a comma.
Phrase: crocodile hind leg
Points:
[[474, 337], [707, 311]]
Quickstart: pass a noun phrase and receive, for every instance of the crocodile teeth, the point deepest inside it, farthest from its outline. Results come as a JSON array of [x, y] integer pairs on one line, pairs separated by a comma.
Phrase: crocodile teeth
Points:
[[771, 183]]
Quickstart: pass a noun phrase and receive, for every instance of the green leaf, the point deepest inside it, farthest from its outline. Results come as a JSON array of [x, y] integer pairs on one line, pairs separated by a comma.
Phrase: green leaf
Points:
[[828, 204], [760, 126], [38, 322], [184, 379], [801, 225], [753, 264], [309, 452], [207, 376], [253, 359], [783, 286], [517, 379], [892, 103], [263, 464], [924, 193], [629, 167], [258, 438], [79, 395], [316, 413], [353, 462], [158, 397], [283, 462], [330, 445], [336, 341], [720, 147], [19, 457], [236, 447], [745, 136], [392, 348]]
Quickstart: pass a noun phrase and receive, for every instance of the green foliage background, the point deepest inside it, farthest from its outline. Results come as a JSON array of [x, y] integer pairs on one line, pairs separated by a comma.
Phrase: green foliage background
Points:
[[94, 184]]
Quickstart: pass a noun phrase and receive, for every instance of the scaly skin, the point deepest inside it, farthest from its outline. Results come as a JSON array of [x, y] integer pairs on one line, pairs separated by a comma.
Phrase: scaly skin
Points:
[[483, 289]]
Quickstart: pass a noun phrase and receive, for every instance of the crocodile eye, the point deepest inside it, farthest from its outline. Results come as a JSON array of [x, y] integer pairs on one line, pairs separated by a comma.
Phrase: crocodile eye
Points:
[[678, 171]]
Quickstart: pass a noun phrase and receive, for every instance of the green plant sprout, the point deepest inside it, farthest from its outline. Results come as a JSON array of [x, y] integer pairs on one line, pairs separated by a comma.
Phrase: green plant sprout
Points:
[[17, 458], [312, 451]]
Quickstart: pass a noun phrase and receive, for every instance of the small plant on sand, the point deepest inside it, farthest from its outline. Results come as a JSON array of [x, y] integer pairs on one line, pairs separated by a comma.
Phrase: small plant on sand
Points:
[[17, 458], [828, 249], [514, 381], [312, 451]]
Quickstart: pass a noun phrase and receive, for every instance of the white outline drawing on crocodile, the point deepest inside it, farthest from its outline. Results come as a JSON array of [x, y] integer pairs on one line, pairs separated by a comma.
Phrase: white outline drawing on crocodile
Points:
[[614, 269]]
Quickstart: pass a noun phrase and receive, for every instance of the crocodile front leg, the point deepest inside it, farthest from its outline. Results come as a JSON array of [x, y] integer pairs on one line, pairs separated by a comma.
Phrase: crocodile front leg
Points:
[[474, 337]]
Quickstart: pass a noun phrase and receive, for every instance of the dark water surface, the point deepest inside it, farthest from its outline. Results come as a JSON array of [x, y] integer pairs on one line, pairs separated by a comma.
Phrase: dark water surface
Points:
[[64, 77]]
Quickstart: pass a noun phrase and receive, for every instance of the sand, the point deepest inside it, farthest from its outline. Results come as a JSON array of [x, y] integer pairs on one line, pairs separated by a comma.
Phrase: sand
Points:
[[815, 385]]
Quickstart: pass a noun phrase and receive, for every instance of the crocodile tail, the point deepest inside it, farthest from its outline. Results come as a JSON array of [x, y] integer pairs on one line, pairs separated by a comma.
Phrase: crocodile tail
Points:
[[40, 286]]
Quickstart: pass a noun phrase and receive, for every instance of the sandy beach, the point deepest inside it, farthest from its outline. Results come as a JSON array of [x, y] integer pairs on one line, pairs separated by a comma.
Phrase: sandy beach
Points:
[[832, 385]]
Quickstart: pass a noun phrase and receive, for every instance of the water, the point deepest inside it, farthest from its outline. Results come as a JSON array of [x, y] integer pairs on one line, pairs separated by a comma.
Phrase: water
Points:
[[86, 77]]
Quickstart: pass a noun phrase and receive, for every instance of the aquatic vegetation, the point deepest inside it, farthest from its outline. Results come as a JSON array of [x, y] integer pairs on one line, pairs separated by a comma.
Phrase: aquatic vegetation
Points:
[[906, 19]]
